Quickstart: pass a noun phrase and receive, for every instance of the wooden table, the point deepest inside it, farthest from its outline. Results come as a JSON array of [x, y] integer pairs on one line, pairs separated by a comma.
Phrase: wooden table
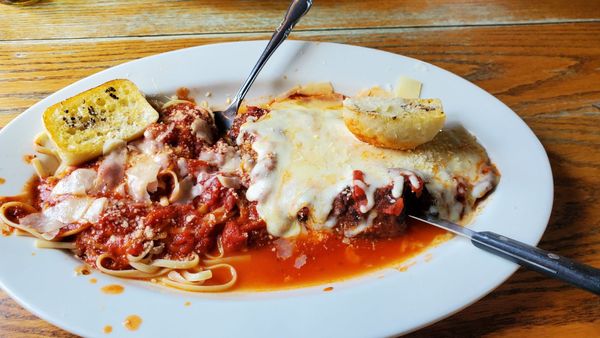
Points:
[[541, 58]]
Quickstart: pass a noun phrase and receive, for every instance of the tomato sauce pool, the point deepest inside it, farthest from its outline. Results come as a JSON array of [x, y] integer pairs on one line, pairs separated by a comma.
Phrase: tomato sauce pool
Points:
[[321, 260]]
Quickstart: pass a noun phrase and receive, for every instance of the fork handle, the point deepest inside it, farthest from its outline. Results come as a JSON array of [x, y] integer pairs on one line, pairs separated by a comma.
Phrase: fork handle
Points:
[[547, 263], [296, 11]]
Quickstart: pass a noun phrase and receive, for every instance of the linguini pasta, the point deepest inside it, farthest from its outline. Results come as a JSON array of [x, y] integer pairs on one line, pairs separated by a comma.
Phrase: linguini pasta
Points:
[[226, 260], [186, 274], [173, 264], [6, 219], [188, 284], [173, 102], [132, 273], [212, 260], [39, 168], [44, 146], [175, 193], [43, 244]]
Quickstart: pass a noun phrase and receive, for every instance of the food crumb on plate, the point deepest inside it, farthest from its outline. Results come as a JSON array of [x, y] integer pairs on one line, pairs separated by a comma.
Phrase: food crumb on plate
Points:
[[82, 270], [404, 267], [28, 158]]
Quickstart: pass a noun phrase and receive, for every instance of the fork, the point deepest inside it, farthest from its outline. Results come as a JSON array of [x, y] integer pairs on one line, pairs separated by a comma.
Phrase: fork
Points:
[[297, 9]]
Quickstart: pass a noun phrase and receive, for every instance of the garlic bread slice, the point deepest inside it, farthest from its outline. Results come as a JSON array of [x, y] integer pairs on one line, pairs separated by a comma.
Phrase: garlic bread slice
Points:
[[393, 122], [80, 126]]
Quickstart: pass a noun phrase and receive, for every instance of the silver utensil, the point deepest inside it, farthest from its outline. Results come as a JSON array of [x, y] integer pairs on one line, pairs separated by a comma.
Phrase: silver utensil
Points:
[[550, 264], [297, 9]]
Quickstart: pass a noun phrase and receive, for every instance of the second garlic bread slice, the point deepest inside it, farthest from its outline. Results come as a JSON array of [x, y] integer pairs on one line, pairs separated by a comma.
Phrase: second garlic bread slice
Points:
[[393, 122]]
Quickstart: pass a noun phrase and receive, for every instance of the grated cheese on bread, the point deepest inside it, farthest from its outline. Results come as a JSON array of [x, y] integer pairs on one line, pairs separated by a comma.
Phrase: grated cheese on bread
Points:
[[81, 125]]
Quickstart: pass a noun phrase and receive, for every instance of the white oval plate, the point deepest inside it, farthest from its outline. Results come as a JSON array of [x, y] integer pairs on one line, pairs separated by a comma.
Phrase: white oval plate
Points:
[[454, 275]]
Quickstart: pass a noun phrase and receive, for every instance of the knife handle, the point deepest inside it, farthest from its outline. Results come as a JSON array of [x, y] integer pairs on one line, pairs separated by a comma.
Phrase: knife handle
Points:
[[547, 263]]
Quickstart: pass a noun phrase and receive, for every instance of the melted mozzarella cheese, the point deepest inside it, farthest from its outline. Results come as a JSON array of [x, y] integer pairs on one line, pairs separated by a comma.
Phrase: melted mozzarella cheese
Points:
[[223, 156], [201, 129], [79, 182], [69, 211], [95, 209], [46, 226], [112, 169], [305, 157], [142, 177]]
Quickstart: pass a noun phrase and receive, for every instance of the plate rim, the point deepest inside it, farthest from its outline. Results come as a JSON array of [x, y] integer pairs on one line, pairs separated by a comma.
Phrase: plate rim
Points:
[[81, 82]]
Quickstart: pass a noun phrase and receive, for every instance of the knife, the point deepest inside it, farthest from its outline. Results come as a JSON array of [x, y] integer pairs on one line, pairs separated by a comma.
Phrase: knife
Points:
[[550, 264]]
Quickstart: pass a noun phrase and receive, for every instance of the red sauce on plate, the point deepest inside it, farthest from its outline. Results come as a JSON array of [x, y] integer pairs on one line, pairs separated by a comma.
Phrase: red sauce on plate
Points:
[[328, 259]]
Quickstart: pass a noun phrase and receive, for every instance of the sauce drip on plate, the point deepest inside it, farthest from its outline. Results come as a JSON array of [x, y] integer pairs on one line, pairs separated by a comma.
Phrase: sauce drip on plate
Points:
[[112, 289], [132, 322]]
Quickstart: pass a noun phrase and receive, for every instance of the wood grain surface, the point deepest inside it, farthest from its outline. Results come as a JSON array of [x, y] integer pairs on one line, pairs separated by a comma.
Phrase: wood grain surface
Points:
[[118, 18], [540, 58]]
